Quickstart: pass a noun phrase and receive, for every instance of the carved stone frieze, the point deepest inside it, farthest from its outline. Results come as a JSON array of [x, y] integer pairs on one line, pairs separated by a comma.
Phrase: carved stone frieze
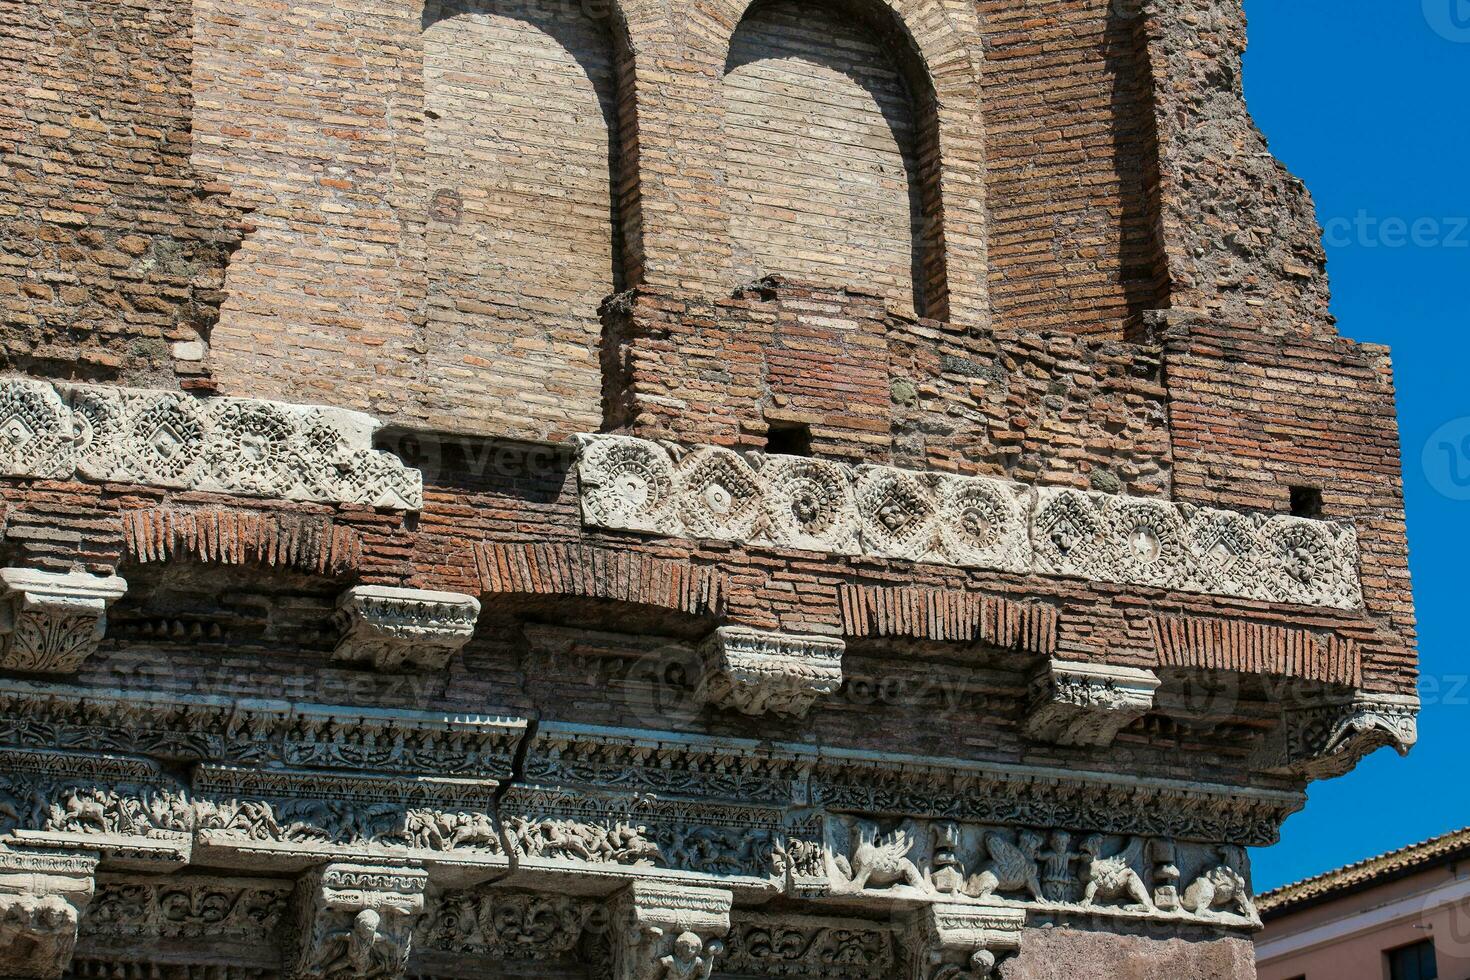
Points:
[[398, 629], [1087, 704], [756, 672], [667, 931], [972, 522], [900, 862], [505, 925], [1327, 736], [238, 446], [809, 947], [356, 921], [51, 622], [43, 895], [128, 909], [961, 942], [194, 728]]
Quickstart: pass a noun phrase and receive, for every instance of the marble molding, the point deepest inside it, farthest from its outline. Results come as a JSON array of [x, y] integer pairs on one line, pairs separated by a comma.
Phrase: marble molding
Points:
[[396, 629], [1326, 736], [51, 622], [1087, 704], [43, 895], [818, 505], [756, 672], [356, 920], [238, 446]]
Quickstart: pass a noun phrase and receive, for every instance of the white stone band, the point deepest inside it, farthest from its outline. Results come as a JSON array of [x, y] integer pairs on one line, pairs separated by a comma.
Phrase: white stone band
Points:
[[972, 522], [242, 446]]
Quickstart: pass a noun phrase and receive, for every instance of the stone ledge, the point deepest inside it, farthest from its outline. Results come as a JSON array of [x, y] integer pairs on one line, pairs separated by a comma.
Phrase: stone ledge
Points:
[[817, 505], [756, 672], [398, 629], [239, 446], [1087, 704], [51, 622]]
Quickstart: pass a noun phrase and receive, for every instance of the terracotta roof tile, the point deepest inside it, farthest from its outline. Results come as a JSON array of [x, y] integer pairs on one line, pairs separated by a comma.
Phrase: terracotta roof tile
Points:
[[1362, 874]]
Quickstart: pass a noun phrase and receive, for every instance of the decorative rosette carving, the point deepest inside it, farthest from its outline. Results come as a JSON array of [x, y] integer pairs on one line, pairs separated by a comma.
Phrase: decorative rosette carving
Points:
[[170, 439], [719, 494], [810, 504], [898, 511], [628, 484], [982, 522]]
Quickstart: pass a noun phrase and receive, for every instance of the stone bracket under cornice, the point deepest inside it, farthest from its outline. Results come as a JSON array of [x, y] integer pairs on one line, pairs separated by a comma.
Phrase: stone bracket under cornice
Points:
[[357, 920], [240, 446], [1087, 704], [1327, 736], [630, 484], [667, 931], [961, 942], [755, 672], [395, 629], [43, 895], [51, 622]]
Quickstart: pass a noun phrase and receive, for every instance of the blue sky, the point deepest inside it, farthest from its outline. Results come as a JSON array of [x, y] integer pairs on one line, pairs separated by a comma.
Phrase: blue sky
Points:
[[1368, 101]]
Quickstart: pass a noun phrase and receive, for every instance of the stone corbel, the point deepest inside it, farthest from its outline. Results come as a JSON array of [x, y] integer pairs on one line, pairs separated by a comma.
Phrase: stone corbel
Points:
[[1087, 704], [51, 622], [665, 931], [42, 897], [961, 942], [756, 672], [1326, 737], [356, 921], [403, 629]]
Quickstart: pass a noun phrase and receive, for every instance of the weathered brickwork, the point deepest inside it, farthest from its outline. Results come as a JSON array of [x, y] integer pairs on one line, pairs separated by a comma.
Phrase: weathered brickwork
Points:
[[113, 246], [823, 177], [976, 534]]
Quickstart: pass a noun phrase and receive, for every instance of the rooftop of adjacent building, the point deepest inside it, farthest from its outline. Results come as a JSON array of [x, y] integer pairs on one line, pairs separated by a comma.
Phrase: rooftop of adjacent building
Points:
[[1363, 875]]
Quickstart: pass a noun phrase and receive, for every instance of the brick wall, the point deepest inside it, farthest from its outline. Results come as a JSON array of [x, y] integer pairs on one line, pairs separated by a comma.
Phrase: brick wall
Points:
[[522, 247], [822, 177], [112, 246], [1069, 139]]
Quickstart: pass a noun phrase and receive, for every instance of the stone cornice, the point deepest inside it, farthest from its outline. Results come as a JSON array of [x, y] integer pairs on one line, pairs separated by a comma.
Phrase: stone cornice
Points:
[[817, 505], [1087, 704], [196, 728], [238, 446]]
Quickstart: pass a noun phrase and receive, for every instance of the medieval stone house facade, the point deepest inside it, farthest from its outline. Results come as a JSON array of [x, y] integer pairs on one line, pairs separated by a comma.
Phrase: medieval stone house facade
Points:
[[846, 489]]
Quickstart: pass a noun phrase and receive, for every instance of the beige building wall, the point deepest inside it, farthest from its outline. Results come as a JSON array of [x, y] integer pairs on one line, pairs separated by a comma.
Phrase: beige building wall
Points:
[[1348, 938]]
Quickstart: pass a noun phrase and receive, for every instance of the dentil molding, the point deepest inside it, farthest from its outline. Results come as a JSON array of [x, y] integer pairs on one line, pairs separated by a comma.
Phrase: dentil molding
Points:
[[972, 522]]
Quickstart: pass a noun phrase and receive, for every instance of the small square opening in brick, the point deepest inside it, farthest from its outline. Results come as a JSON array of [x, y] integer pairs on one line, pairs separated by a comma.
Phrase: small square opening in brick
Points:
[[789, 439], [1306, 502]]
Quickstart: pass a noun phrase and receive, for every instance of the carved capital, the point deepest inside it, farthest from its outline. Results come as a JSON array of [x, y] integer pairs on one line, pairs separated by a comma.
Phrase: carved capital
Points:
[[756, 673], [668, 931], [356, 921], [1087, 704], [1323, 739], [961, 942], [398, 629], [50, 622], [42, 897]]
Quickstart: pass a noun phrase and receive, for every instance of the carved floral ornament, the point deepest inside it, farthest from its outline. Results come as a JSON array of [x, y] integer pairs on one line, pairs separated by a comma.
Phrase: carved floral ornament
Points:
[[971, 522], [248, 447]]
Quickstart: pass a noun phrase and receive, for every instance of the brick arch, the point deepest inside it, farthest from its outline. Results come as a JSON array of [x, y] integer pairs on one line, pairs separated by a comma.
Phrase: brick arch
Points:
[[527, 210], [939, 44]]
